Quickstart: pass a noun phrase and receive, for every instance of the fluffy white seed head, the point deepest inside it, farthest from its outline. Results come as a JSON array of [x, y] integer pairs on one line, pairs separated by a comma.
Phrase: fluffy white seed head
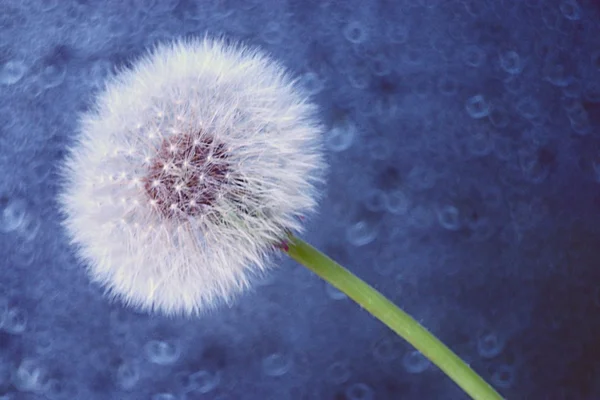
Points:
[[191, 167]]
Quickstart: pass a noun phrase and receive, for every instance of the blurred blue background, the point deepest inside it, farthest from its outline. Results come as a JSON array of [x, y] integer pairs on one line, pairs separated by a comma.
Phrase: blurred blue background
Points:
[[463, 138]]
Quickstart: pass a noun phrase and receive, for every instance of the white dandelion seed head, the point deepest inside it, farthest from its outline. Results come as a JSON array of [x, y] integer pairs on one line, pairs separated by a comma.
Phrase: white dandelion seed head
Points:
[[190, 168]]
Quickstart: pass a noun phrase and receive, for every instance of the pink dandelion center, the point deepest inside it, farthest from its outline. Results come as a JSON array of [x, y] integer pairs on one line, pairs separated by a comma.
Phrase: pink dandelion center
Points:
[[186, 175]]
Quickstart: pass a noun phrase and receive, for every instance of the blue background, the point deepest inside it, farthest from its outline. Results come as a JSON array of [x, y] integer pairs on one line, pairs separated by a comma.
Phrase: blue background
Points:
[[464, 184]]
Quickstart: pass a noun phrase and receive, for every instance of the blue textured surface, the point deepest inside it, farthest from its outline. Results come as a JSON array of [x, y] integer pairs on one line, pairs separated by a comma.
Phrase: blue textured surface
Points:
[[465, 167]]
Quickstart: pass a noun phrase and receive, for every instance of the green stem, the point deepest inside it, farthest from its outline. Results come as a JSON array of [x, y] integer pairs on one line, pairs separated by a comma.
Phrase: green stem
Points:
[[396, 319]]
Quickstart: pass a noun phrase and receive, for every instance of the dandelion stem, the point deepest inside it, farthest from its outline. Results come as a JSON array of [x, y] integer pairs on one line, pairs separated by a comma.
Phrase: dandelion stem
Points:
[[396, 319]]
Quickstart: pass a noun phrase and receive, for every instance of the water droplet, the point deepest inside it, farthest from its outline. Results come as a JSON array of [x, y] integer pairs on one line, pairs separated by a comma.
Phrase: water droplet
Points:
[[30, 228], [52, 75], [361, 233], [397, 202], [15, 321], [30, 376], [528, 107], [359, 77], [12, 215], [489, 345], [477, 107], [414, 362], [312, 83], [44, 342], [387, 350], [570, 10], [355, 32], [12, 72], [380, 65], [503, 376], [128, 375], [510, 62], [341, 136], [276, 364], [473, 56], [338, 373], [162, 352], [580, 122], [204, 381], [449, 217]]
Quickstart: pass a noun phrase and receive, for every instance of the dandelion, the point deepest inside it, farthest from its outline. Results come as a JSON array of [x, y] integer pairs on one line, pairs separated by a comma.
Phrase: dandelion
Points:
[[191, 170]]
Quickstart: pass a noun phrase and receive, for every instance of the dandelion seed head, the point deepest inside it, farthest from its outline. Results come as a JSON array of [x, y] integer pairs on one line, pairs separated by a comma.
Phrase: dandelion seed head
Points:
[[188, 171]]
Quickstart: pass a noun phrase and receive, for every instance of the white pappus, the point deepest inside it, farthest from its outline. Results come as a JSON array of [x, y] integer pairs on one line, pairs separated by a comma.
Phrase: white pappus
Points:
[[189, 169]]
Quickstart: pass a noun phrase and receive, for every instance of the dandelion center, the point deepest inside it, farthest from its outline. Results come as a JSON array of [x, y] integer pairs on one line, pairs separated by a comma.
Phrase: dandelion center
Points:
[[186, 175]]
